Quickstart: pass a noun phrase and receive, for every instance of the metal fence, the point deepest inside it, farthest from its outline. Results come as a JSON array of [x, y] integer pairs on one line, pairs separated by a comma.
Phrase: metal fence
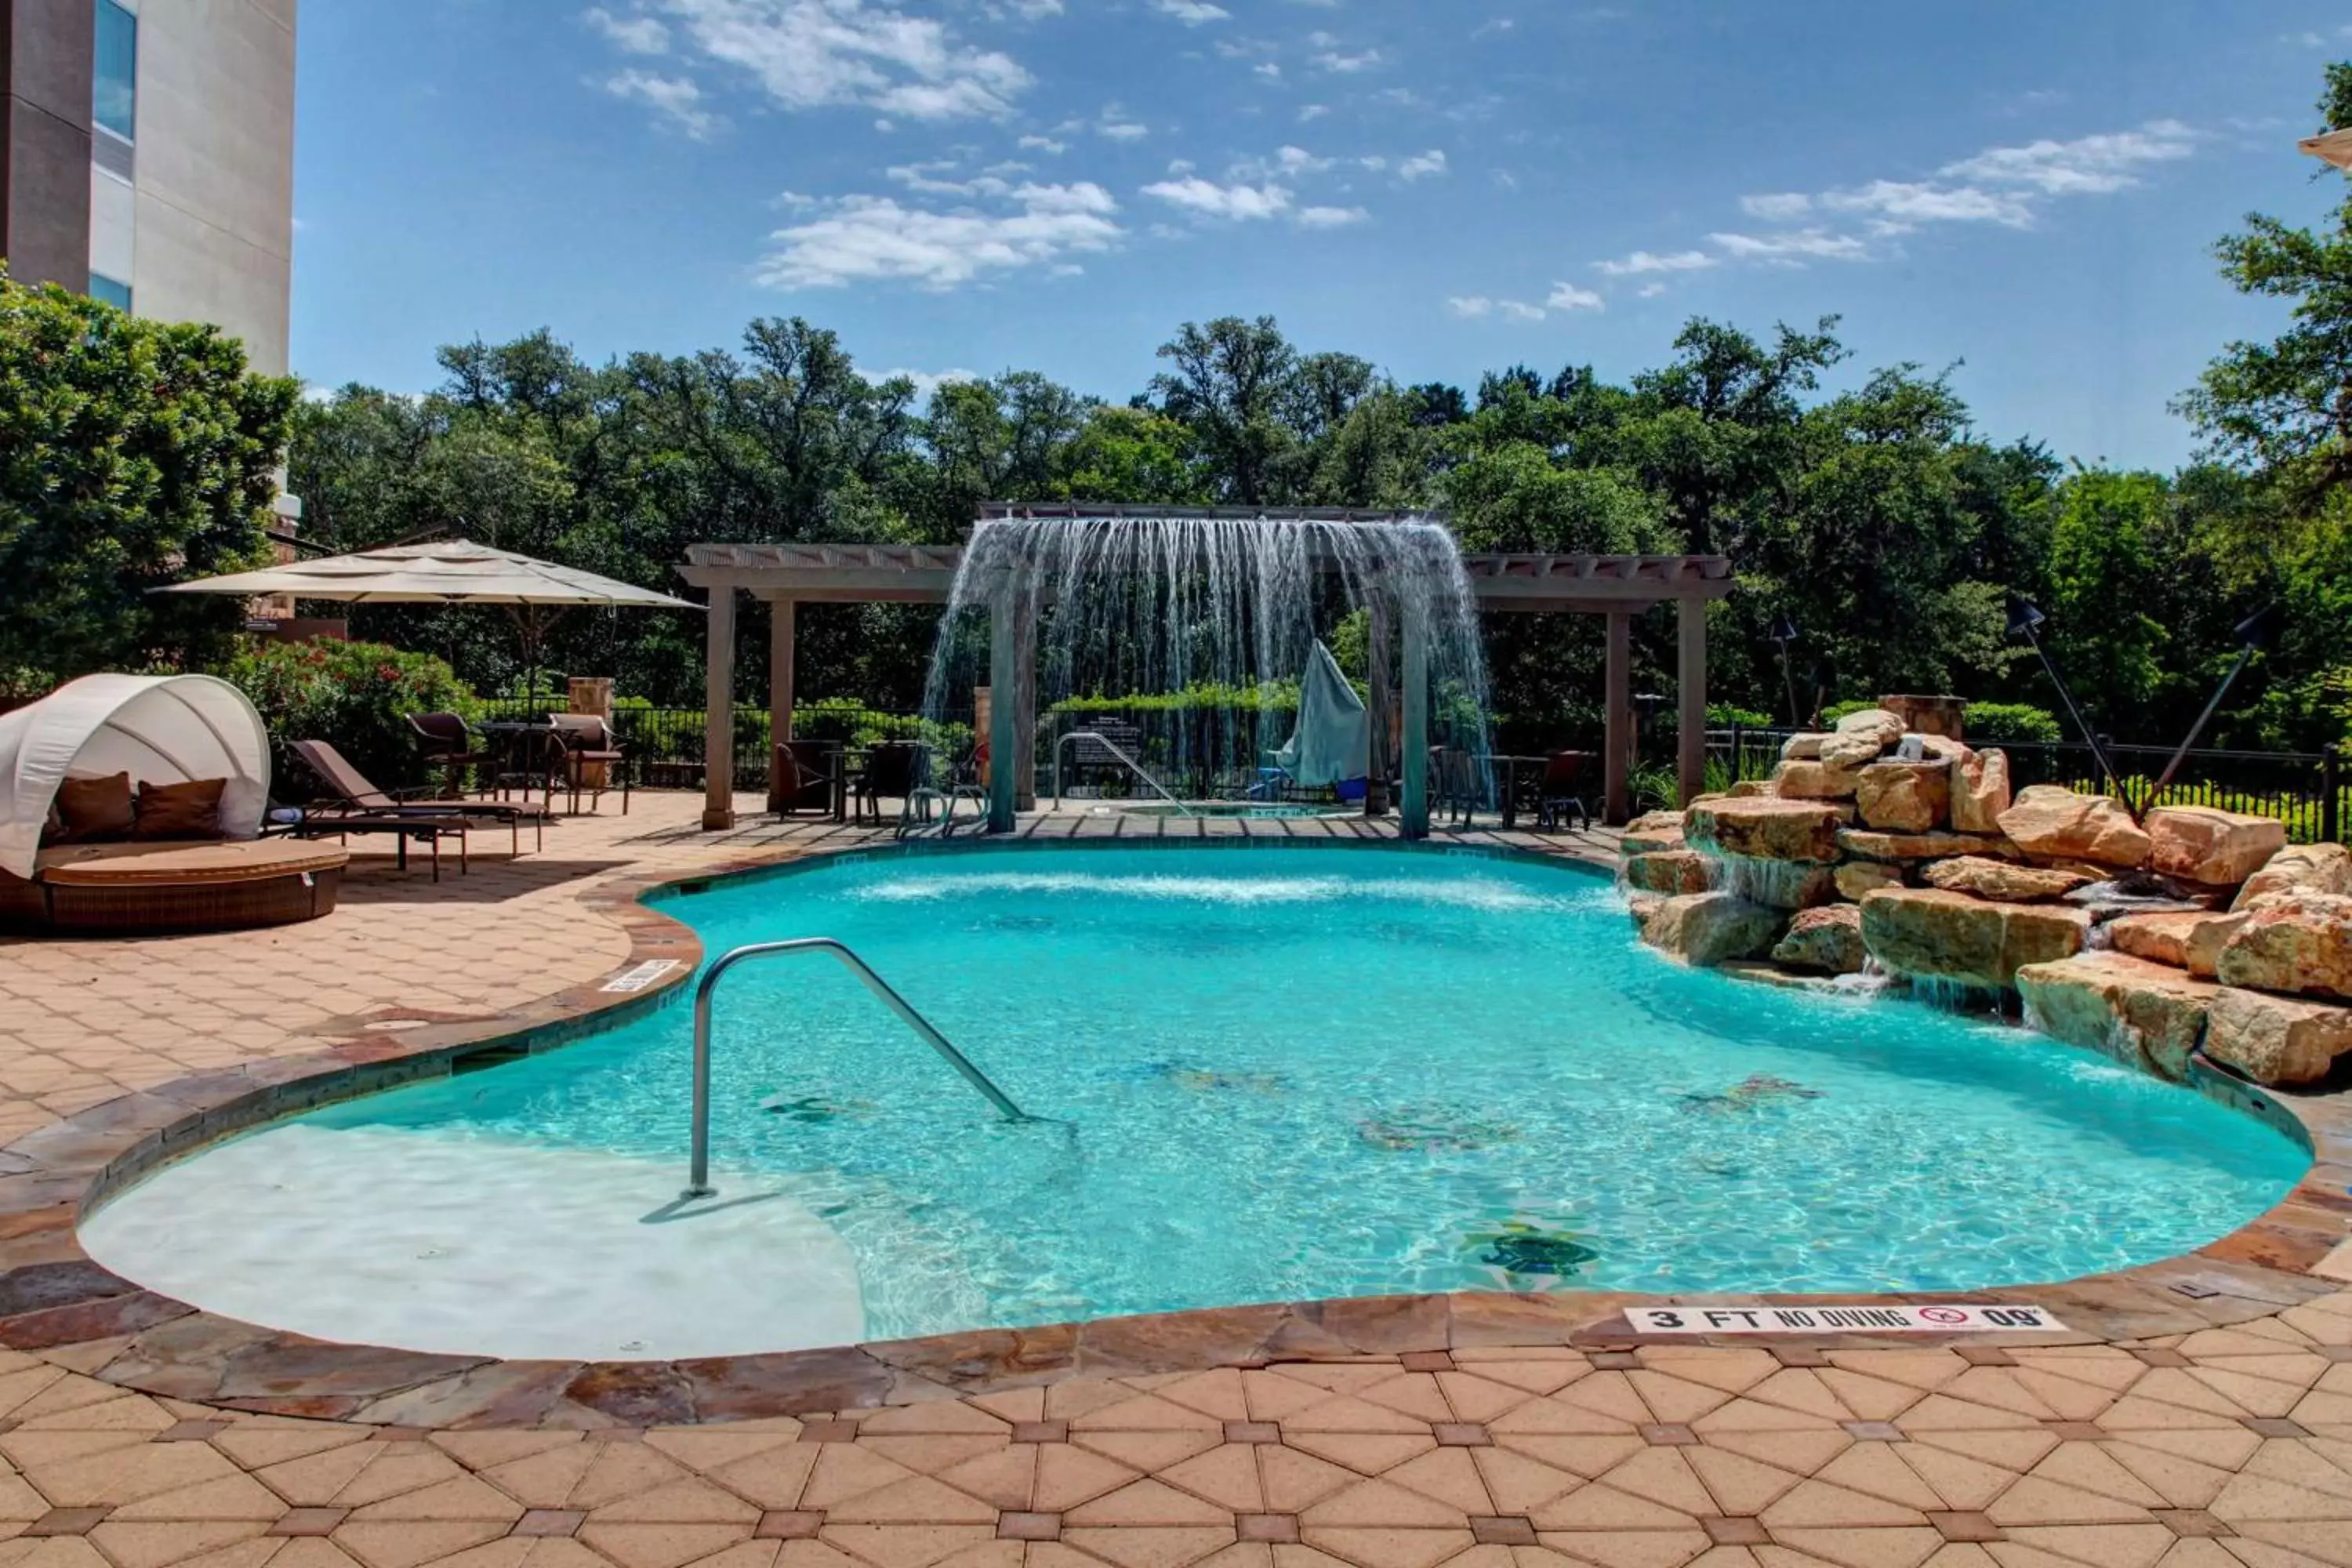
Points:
[[666, 746], [2311, 792]]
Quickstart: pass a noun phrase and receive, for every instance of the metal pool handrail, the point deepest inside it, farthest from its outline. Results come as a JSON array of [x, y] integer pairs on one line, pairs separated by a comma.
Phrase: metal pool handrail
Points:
[[1107, 744], [698, 1177]]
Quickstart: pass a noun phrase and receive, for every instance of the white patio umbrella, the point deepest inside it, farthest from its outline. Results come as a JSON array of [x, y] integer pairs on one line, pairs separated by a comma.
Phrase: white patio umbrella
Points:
[[447, 572], [2333, 147]]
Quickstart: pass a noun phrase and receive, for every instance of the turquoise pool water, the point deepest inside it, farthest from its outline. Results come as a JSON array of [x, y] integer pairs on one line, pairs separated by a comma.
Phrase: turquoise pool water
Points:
[[1289, 1073]]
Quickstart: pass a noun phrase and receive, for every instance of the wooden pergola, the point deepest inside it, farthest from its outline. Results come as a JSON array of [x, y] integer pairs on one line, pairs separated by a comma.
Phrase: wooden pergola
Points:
[[1617, 588]]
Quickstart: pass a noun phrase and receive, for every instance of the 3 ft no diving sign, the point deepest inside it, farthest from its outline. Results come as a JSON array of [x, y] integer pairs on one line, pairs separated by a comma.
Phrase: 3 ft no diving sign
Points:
[[1936, 1320]]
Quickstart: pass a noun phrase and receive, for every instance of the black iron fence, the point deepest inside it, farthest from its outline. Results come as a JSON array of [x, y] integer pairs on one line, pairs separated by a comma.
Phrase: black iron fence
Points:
[[2311, 792], [668, 746]]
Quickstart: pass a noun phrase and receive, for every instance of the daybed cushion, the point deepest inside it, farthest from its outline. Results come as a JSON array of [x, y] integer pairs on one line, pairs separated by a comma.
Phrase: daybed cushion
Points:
[[184, 864], [190, 810], [91, 811]]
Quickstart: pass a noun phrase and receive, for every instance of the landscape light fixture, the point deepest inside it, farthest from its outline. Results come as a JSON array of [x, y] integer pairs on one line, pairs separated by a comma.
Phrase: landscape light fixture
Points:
[[2026, 620], [1784, 632], [2253, 635]]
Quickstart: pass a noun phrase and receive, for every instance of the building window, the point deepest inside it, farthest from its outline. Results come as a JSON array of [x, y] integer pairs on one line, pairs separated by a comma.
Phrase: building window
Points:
[[109, 292], [114, 86]]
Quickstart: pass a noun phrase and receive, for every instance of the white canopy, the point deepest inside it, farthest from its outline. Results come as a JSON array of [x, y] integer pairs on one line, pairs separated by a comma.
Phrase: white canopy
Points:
[[2333, 147], [164, 729], [456, 572], [1332, 741]]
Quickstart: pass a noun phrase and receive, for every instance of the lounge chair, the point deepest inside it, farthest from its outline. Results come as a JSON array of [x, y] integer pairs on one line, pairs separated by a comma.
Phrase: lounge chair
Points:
[[895, 770], [808, 777], [1563, 790], [352, 795]]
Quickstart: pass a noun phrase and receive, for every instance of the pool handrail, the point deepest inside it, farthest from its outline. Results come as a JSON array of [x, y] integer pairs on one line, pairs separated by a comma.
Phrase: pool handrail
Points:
[[1107, 744], [698, 1177]]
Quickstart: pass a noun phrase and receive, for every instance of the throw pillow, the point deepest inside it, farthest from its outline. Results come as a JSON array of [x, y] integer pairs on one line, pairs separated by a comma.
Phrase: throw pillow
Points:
[[180, 810], [94, 810]]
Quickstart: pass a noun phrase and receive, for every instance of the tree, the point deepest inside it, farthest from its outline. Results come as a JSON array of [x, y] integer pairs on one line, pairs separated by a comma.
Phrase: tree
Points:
[[1233, 384], [2286, 405], [132, 454]]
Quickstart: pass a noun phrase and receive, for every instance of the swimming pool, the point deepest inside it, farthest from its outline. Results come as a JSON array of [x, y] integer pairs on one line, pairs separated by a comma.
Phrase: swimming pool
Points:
[[1278, 1073]]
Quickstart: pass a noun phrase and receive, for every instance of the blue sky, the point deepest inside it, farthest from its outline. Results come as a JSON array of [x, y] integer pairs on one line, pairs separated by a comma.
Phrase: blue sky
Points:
[[2025, 188]]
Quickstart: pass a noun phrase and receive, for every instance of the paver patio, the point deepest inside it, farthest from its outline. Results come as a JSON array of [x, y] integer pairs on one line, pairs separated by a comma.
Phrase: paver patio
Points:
[[2222, 1448]]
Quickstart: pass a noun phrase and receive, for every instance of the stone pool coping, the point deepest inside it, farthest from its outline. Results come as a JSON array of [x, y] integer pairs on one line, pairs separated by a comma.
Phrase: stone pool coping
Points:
[[55, 1300]]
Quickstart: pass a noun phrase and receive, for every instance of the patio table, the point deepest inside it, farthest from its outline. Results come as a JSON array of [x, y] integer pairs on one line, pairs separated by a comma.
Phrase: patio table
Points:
[[1507, 768]]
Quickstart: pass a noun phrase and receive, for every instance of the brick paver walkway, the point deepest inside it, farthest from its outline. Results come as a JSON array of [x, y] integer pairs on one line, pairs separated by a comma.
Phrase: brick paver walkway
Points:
[[2226, 1449]]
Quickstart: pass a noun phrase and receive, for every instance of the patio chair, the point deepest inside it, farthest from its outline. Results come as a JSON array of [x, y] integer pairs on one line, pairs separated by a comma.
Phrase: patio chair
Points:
[[588, 743], [352, 796], [894, 770], [1456, 784], [449, 744], [1563, 790], [808, 777]]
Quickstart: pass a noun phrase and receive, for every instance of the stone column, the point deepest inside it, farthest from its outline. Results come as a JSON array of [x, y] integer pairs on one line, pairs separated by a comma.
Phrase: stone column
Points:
[[718, 717], [1617, 721], [1690, 699], [1413, 809], [1379, 705]]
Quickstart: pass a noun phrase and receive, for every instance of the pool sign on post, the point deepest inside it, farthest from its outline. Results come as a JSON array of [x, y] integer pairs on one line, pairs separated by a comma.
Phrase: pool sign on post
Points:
[[1857, 1319]]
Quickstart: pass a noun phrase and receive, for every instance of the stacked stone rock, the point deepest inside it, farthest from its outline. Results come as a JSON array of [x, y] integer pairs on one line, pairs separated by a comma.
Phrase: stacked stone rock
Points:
[[1875, 841]]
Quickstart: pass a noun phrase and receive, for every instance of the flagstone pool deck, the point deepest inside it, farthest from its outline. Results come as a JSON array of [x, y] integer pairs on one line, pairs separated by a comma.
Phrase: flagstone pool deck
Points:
[[2200, 1416]]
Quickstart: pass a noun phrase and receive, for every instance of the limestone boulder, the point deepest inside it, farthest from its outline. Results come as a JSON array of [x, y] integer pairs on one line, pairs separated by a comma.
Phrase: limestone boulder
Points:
[[1981, 792], [1928, 933], [1870, 845], [1915, 747], [1857, 878], [2001, 881], [1826, 941], [2299, 868], [1903, 797], [1652, 833], [1804, 747], [1767, 829], [2211, 848], [2051, 824], [1669, 871], [1754, 789], [1861, 737], [1777, 884], [1705, 929], [2160, 938], [1817, 781], [2277, 1040], [2296, 943], [2145, 1015], [1937, 715]]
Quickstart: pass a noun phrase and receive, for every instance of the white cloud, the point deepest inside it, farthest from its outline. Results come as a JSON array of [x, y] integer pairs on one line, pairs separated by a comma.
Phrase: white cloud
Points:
[[1429, 163], [1474, 307], [2088, 165], [1568, 297], [1649, 290], [1116, 126], [630, 35], [1345, 64], [675, 98], [1191, 12], [863, 238], [1910, 203], [1043, 145], [1268, 69], [1330, 217], [1779, 207], [815, 54], [1209, 199], [1794, 246], [926, 382], [1642, 262], [1313, 112]]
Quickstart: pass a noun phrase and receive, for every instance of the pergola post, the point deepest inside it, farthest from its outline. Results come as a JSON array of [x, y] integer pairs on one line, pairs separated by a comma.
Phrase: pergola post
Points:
[[1690, 699], [1617, 721], [1004, 710], [719, 715], [1379, 705], [1024, 706], [1413, 809], [783, 620]]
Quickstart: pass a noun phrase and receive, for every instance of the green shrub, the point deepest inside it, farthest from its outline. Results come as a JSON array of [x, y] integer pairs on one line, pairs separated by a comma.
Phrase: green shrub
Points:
[[1992, 723], [356, 695], [1725, 715], [1837, 711]]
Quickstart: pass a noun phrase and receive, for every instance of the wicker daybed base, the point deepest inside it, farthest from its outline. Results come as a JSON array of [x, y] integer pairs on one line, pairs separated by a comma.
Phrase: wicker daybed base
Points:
[[168, 886]]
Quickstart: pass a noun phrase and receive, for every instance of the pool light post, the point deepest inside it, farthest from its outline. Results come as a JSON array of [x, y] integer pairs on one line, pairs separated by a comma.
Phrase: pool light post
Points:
[[1784, 632]]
